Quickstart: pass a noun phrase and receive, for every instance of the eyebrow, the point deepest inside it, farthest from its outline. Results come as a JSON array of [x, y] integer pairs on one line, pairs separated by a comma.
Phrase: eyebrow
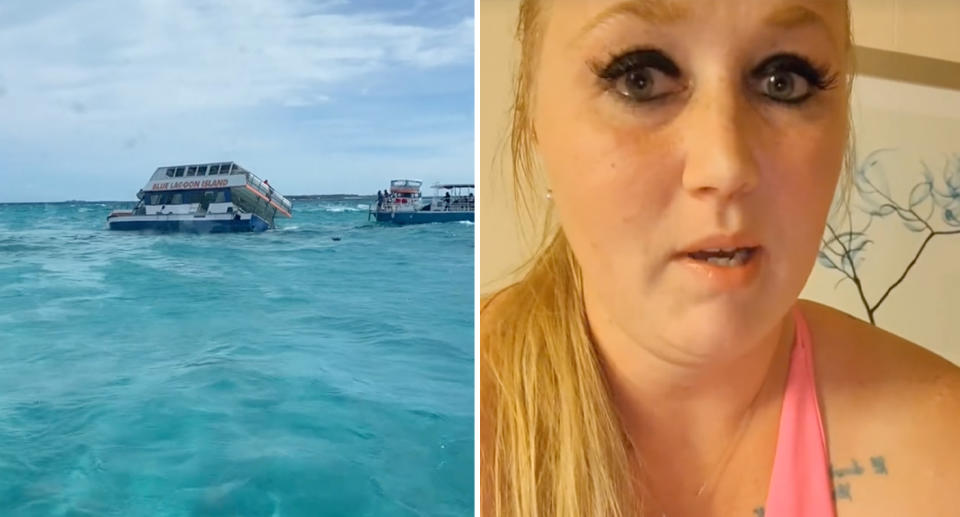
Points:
[[797, 16], [670, 11], [794, 16], [653, 11]]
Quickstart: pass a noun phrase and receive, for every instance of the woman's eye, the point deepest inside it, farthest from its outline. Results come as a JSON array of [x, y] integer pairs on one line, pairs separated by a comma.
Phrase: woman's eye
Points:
[[786, 87], [644, 84], [791, 79], [641, 75]]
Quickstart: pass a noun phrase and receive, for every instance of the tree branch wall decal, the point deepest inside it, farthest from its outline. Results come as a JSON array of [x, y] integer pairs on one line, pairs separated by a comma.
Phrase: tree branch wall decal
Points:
[[932, 208]]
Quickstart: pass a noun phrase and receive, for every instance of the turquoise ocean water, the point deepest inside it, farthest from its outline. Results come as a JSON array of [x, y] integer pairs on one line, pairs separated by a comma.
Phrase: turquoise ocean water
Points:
[[274, 374]]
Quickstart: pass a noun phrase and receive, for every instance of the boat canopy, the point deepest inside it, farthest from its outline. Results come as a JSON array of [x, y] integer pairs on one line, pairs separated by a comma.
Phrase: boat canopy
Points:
[[197, 170], [405, 186]]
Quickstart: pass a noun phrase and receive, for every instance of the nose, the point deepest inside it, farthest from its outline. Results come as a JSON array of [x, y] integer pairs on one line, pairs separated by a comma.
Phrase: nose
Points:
[[720, 159]]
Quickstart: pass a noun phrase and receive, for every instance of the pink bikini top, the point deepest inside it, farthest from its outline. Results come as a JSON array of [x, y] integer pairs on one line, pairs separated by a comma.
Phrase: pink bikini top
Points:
[[800, 485]]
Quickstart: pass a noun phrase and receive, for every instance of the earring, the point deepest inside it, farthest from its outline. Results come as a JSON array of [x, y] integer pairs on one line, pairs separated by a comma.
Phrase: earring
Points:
[[549, 194]]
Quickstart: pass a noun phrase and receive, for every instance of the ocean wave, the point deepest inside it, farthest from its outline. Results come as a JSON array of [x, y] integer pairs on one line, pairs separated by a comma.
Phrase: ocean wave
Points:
[[236, 339], [329, 209]]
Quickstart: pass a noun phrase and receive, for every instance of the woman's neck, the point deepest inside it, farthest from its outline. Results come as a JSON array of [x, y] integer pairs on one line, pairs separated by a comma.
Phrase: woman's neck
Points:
[[684, 414]]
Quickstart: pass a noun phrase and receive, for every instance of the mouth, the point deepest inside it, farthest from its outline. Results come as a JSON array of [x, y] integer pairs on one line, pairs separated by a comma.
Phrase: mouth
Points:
[[725, 257]]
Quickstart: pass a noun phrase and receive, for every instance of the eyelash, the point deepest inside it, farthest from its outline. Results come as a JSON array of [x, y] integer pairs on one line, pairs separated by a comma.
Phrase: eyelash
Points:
[[819, 76]]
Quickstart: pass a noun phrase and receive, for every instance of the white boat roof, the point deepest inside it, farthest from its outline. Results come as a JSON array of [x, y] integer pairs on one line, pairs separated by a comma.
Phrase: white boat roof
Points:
[[199, 169], [405, 183]]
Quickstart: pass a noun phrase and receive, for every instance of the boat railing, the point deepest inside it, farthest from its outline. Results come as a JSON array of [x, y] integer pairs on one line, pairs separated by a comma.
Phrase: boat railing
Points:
[[436, 205], [264, 188], [455, 205]]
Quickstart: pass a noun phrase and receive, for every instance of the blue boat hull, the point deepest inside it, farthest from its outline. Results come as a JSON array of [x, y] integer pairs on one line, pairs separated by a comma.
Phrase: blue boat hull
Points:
[[254, 224], [422, 217]]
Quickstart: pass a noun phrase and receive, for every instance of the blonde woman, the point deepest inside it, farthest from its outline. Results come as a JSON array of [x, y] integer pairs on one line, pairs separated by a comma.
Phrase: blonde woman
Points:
[[655, 359]]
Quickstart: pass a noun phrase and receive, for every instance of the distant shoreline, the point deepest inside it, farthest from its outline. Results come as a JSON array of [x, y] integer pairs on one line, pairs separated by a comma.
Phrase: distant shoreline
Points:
[[299, 197]]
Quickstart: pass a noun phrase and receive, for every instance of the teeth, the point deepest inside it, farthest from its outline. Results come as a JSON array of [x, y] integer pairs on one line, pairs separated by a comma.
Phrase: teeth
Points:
[[738, 259]]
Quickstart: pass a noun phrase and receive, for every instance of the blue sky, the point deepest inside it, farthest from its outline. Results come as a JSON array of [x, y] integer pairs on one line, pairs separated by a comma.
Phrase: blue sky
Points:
[[319, 97]]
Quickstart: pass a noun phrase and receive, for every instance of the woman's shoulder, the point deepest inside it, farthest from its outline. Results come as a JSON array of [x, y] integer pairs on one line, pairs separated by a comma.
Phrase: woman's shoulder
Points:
[[892, 414], [492, 302], [870, 357], [869, 351], [497, 308]]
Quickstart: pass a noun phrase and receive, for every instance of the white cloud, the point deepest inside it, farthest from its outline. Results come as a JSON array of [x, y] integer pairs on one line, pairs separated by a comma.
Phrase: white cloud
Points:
[[96, 93], [145, 57]]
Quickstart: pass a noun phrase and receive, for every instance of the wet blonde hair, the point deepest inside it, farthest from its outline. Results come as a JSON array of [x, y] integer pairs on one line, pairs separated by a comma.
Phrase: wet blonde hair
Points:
[[551, 442]]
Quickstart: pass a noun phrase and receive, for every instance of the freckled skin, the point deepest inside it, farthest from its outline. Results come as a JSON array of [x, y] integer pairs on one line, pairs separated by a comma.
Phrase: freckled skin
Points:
[[714, 158]]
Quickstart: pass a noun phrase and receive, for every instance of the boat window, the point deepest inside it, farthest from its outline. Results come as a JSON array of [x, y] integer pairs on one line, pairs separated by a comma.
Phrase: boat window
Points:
[[170, 172], [191, 171], [154, 199], [176, 198], [179, 172], [221, 196], [225, 168], [202, 170]]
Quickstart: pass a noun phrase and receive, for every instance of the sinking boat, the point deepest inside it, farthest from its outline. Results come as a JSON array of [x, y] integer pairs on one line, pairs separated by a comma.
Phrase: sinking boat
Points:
[[203, 198]]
